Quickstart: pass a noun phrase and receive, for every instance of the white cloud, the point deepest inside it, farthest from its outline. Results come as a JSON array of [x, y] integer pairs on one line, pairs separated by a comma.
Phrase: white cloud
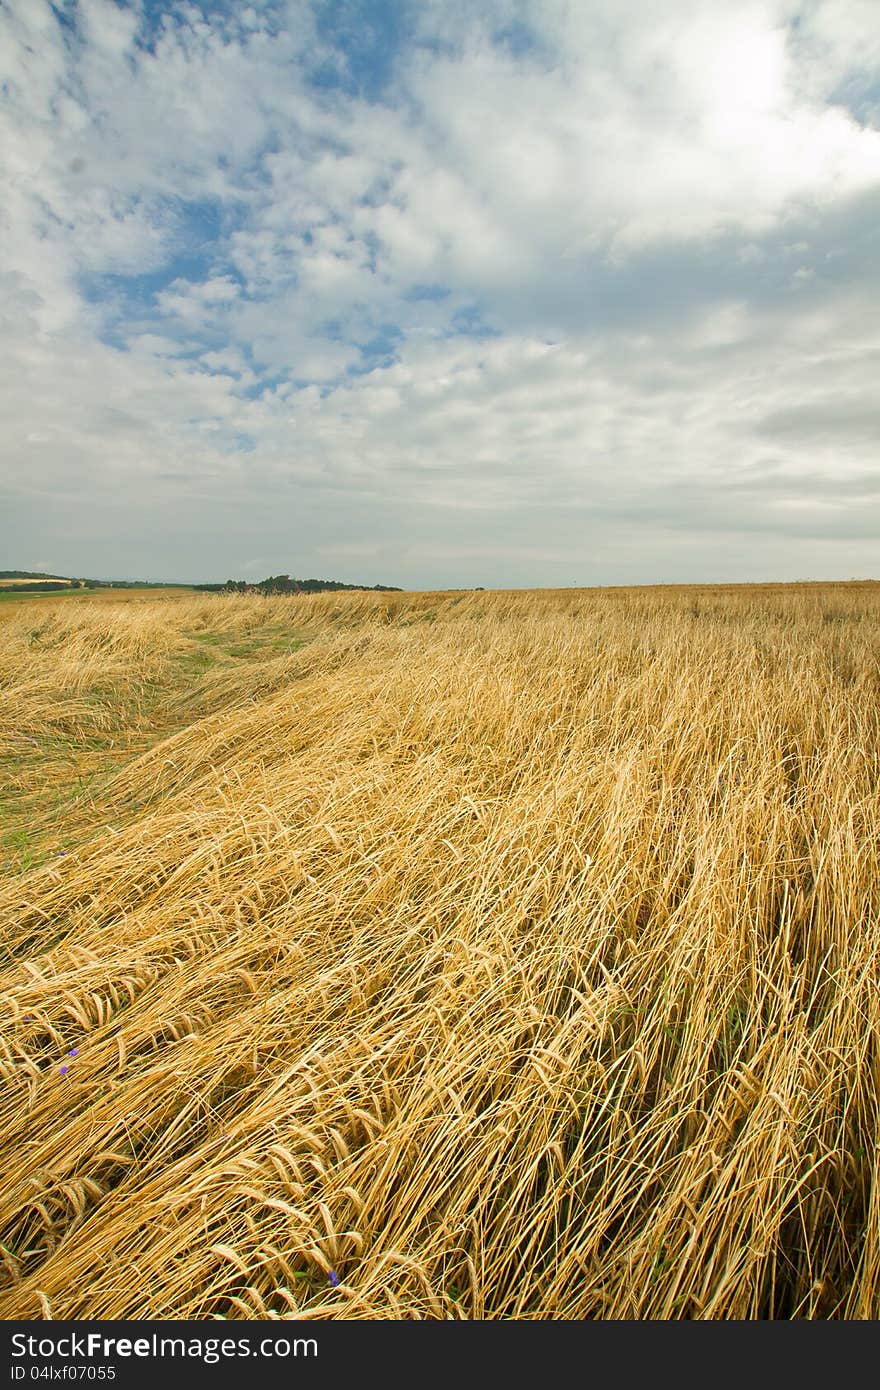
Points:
[[547, 284]]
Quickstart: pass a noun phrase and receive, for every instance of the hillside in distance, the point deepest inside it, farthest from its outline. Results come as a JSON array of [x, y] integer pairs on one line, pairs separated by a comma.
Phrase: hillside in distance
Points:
[[279, 584], [27, 581], [25, 577], [28, 574]]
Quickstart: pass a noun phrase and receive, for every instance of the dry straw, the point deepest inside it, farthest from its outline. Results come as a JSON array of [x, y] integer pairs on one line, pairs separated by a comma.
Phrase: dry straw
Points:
[[442, 956]]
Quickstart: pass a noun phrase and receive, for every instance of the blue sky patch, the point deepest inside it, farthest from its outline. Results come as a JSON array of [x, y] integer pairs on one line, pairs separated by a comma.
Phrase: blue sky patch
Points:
[[366, 37]]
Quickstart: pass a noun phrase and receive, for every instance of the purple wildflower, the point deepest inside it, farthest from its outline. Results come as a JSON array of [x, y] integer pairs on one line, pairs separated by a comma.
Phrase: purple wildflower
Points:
[[73, 1052], [333, 1278], [64, 1070]]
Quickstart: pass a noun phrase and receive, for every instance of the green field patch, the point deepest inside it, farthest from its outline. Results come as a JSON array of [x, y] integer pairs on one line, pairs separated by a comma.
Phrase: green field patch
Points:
[[11, 596], [231, 646], [194, 661]]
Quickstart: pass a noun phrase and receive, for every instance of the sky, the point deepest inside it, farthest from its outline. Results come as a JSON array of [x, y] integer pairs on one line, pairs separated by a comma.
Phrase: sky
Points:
[[441, 293]]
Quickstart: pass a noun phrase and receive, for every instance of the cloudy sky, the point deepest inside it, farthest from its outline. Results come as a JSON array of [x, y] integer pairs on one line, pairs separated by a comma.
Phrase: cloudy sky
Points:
[[441, 292]]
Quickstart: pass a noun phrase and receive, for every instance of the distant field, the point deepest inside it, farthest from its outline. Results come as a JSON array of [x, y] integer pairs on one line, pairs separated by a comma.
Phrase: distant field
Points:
[[17, 583], [502, 955], [9, 593]]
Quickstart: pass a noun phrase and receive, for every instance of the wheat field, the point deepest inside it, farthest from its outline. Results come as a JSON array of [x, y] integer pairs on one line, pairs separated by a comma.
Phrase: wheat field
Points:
[[464, 955]]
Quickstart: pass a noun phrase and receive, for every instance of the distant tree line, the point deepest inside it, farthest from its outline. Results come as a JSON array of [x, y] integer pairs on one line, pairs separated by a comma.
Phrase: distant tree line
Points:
[[283, 584], [275, 584], [47, 587], [44, 586], [132, 584], [27, 574], [41, 583]]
